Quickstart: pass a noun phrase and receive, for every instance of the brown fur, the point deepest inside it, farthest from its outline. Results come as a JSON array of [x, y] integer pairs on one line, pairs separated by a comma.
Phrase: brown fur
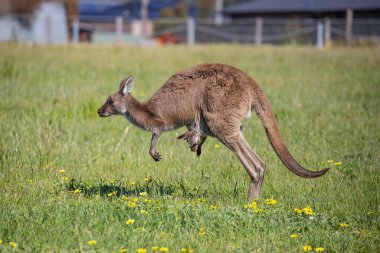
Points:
[[211, 100]]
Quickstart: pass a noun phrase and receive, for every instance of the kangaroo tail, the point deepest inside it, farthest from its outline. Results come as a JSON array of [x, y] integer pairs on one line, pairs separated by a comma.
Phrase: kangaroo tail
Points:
[[263, 110]]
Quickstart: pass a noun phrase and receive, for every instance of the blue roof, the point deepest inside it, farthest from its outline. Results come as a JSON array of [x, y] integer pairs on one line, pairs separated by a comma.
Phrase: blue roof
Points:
[[96, 10]]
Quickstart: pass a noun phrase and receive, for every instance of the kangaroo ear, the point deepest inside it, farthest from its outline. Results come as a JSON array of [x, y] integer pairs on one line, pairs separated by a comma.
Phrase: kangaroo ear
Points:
[[126, 85]]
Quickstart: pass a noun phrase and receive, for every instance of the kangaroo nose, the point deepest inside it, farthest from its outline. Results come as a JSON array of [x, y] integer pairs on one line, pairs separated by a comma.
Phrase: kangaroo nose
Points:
[[100, 111]]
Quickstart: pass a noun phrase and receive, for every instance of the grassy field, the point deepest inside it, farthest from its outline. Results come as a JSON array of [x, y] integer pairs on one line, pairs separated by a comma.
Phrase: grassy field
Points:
[[73, 182]]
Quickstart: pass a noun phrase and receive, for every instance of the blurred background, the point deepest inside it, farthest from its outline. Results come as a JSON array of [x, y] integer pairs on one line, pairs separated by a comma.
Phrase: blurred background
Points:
[[300, 22]]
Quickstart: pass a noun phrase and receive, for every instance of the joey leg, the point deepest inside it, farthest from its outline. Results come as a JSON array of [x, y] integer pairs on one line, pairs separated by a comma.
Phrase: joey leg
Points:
[[152, 151]]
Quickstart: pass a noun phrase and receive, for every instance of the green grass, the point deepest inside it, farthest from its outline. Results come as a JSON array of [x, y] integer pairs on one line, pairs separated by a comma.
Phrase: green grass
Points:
[[327, 106]]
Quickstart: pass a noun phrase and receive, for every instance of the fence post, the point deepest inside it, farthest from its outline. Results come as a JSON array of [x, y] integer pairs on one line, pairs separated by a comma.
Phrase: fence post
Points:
[[259, 31], [218, 12], [48, 37], [190, 31], [119, 29], [349, 17], [327, 32], [319, 34], [75, 31]]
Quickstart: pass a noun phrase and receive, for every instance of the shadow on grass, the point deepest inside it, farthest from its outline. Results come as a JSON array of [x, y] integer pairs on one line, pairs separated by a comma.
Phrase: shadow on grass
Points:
[[152, 187]]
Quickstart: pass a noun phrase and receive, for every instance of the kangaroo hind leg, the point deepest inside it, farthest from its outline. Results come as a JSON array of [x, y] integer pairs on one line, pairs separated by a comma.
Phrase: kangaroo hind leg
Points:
[[250, 161]]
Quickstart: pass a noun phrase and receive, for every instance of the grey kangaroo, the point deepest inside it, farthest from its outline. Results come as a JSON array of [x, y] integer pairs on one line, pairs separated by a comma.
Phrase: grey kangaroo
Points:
[[210, 100]]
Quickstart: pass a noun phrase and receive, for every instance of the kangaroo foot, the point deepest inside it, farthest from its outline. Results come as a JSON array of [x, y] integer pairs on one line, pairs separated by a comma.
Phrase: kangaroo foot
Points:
[[193, 138]]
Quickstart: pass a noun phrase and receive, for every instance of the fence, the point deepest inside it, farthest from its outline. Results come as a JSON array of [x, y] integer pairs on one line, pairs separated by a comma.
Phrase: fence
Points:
[[190, 31]]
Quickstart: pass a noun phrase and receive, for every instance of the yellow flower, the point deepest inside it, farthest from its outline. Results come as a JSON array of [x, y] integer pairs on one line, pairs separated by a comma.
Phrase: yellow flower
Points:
[[132, 183], [146, 179], [187, 250], [294, 236], [258, 210], [131, 204], [202, 232], [344, 225], [319, 249], [135, 199], [77, 191], [112, 194], [141, 250], [123, 250], [61, 171], [130, 222], [270, 201], [330, 161], [214, 207], [308, 210], [155, 248], [92, 242], [201, 200], [164, 249], [143, 194], [30, 181], [147, 200], [338, 163], [307, 248], [297, 210], [64, 178], [216, 146], [13, 245], [144, 212], [1, 242], [124, 198]]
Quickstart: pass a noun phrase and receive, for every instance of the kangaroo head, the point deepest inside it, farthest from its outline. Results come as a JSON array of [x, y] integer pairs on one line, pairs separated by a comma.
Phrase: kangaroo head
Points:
[[117, 102]]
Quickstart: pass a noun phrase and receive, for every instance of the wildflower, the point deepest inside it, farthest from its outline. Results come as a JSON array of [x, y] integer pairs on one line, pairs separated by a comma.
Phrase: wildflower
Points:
[[202, 232], [135, 199], [293, 236], [330, 161], [143, 194], [92, 242], [201, 200], [187, 250], [111, 194], [147, 200], [125, 198], [164, 249], [144, 212], [123, 250], [319, 249], [146, 180], [132, 183], [13, 245], [338, 163], [258, 210], [130, 222], [297, 210], [131, 204], [30, 181], [216, 146], [141, 250], [344, 225], [308, 210], [214, 207], [270, 201], [1, 242], [307, 248], [155, 248], [64, 178], [61, 171], [77, 191]]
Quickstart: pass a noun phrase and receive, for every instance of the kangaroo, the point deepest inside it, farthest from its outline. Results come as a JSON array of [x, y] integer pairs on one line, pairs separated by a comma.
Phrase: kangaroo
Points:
[[210, 100]]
